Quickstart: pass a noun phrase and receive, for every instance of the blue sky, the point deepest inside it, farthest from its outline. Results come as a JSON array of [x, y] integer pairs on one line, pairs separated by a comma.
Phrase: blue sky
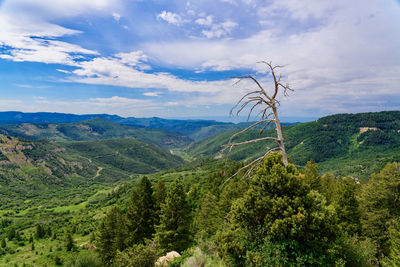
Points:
[[173, 58]]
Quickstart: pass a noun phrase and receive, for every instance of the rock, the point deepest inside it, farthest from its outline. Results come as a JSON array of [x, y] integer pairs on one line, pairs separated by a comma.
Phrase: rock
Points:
[[163, 261]]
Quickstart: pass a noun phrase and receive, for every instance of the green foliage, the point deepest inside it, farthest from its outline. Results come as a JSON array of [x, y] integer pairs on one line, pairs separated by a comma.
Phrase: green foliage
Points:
[[173, 232], [141, 255], [379, 200], [69, 242], [356, 251], [159, 199], [335, 142], [141, 214], [393, 259], [347, 206], [94, 129], [112, 235], [279, 211], [201, 259], [208, 217], [40, 232], [86, 259]]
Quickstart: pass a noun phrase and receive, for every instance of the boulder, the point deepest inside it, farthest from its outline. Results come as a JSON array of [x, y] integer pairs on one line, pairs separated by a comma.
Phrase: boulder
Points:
[[164, 260]]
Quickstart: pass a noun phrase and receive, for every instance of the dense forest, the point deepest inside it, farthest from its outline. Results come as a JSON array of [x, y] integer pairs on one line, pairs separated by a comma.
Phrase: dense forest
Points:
[[123, 202]]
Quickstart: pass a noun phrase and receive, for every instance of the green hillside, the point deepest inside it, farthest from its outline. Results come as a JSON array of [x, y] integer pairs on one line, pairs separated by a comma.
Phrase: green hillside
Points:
[[359, 143], [35, 172], [94, 129]]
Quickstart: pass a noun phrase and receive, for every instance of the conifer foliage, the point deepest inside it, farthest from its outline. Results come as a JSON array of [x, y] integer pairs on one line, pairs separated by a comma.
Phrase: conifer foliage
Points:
[[141, 214], [173, 232]]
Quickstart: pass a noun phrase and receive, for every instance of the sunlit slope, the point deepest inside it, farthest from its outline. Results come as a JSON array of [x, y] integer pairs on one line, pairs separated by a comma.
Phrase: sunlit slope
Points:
[[95, 129], [359, 143], [36, 170]]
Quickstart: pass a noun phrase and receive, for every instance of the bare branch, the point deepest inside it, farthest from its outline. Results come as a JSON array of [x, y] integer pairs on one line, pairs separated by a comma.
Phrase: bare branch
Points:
[[254, 80], [251, 141], [257, 98], [252, 164], [265, 126], [248, 128], [242, 99]]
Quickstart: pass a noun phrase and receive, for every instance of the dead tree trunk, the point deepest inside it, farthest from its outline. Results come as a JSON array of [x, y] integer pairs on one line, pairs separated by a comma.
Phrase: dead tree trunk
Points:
[[268, 114]]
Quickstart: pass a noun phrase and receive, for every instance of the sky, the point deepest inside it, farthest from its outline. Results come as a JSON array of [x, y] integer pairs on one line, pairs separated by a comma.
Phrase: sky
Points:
[[174, 58]]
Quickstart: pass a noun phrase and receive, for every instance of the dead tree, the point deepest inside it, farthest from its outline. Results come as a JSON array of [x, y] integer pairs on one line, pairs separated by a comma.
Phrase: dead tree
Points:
[[268, 115]]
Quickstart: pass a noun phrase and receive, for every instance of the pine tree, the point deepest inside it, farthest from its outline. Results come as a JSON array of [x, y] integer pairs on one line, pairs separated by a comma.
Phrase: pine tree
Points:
[[18, 236], [208, 217], [393, 258], [311, 176], [3, 243], [346, 203], [32, 246], [112, 235], [141, 213], [379, 205], [173, 232], [40, 232], [159, 199], [70, 243], [11, 234]]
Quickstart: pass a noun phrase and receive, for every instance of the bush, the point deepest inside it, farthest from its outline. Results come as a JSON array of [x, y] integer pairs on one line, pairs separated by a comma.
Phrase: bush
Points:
[[85, 259], [138, 256]]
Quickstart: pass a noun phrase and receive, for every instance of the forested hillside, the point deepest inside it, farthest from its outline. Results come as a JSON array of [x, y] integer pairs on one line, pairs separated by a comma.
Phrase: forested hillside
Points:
[[124, 202], [345, 144], [95, 129]]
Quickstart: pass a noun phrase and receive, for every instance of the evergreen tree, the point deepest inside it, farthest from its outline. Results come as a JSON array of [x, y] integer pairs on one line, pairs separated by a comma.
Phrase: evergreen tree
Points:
[[311, 176], [112, 235], [70, 243], [393, 258], [141, 213], [379, 205], [208, 217], [3, 243], [346, 204], [279, 221], [159, 199], [40, 232], [11, 234], [18, 236], [173, 232], [32, 246]]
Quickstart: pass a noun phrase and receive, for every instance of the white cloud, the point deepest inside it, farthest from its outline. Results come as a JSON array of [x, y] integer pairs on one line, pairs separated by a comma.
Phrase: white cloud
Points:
[[117, 101], [29, 38], [151, 94], [207, 21], [133, 58], [64, 71], [350, 56], [170, 17], [116, 16], [216, 30]]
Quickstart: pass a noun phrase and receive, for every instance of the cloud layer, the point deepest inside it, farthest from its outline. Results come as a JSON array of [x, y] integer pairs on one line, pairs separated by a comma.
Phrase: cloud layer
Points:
[[341, 56]]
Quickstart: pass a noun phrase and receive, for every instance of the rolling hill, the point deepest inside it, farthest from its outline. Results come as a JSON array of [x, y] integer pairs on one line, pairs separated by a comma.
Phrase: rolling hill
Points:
[[359, 143], [38, 171], [94, 129]]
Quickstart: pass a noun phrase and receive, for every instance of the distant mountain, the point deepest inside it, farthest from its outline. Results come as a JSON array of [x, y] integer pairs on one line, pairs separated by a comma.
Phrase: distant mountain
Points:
[[16, 117], [94, 129], [345, 144], [195, 129]]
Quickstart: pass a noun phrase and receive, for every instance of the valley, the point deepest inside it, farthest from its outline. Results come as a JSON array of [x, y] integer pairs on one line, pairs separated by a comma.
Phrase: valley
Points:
[[66, 176]]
